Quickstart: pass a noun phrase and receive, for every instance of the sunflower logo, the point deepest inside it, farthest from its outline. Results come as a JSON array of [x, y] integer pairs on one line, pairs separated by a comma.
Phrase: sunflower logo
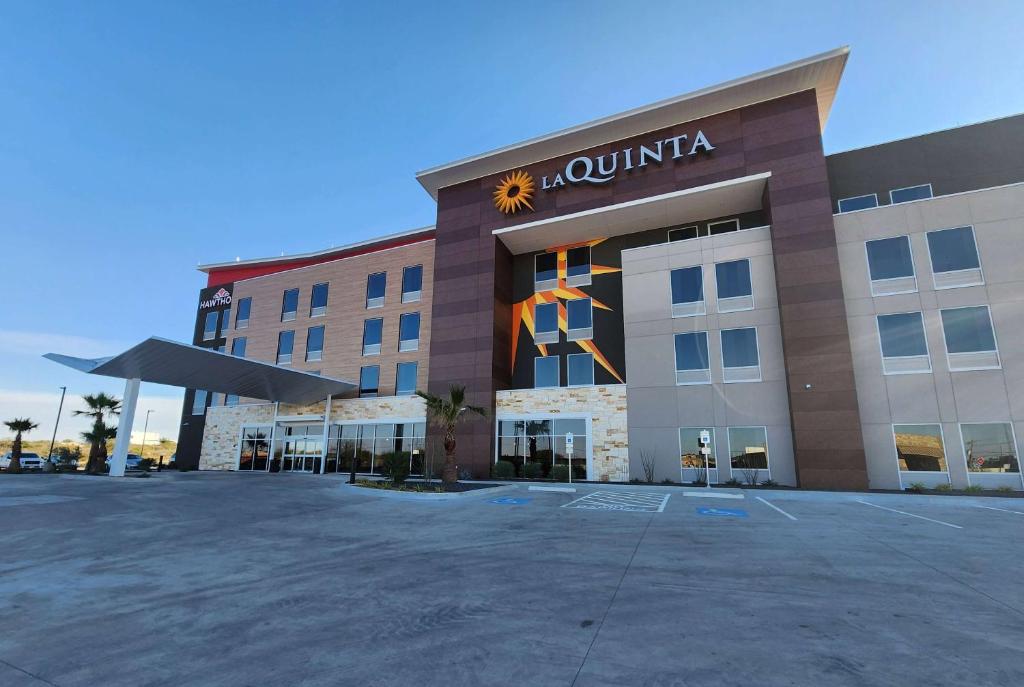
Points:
[[514, 192]]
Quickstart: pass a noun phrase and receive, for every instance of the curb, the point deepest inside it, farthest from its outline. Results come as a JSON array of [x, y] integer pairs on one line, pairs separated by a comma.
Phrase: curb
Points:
[[425, 496]]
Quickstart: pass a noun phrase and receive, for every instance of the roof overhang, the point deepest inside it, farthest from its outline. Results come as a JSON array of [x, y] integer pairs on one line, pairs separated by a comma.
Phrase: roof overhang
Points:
[[735, 196], [819, 72], [161, 361]]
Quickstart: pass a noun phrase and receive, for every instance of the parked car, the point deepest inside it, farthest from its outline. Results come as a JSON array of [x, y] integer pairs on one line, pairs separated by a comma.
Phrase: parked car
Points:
[[29, 461], [131, 462]]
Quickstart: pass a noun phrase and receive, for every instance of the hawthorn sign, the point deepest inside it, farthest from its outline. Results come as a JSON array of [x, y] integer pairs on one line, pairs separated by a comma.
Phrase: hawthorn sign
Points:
[[603, 168]]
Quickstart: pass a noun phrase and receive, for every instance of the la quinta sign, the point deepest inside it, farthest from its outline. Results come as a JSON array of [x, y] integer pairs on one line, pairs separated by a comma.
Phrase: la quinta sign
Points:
[[603, 168]]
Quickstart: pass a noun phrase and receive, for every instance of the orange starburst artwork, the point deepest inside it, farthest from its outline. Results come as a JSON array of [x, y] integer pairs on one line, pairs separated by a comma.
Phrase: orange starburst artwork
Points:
[[514, 192], [524, 312]]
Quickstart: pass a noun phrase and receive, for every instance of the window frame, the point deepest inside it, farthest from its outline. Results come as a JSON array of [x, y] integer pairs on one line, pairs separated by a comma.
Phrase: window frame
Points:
[[839, 203], [695, 227], [207, 334], [206, 400], [593, 372], [995, 342], [881, 290], [713, 455], [546, 336], [767, 448], [371, 303], [406, 345], [1013, 438], [240, 323], [881, 350], [558, 371], [291, 351], [931, 193], [718, 297], [757, 349], [398, 377], [323, 343], [545, 284], [579, 333], [245, 345], [681, 374], [687, 308], [735, 221], [977, 253], [372, 349], [412, 296], [896, 451], [579, 279], [284, 300], [376, 392], [320, 310]]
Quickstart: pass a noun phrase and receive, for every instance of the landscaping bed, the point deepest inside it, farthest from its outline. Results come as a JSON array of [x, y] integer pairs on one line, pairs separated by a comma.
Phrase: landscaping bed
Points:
[[422, 487]]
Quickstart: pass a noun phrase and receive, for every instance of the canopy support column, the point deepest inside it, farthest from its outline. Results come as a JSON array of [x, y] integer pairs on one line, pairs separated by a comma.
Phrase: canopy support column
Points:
[[124, 427], [327, 435]]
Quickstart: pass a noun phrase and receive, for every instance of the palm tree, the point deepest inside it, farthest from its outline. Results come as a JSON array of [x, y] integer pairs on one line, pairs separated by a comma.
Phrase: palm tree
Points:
[[98, 407], [446, 413], [18, 425]]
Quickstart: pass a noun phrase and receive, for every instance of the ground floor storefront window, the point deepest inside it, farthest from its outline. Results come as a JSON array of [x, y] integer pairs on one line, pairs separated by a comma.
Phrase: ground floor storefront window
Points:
[[535, 445], [255, 449], [371, 446]]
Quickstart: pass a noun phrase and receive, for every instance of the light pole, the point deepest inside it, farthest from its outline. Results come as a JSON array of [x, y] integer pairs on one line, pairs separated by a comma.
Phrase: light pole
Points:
[[145, 428], [63, 390]]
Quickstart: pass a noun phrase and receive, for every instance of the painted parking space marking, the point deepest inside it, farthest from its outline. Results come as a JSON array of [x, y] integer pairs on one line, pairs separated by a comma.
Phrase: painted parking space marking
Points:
[[1004, 510], [774, 507], [510, 501], [911, 515], [621, 501], [721, 512]]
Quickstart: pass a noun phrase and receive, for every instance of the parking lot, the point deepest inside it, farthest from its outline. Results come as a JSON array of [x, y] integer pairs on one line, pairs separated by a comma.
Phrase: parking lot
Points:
[[230, 579]]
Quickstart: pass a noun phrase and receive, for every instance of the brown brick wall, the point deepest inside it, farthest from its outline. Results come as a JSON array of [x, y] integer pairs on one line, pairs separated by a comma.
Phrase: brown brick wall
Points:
[[346, 312]]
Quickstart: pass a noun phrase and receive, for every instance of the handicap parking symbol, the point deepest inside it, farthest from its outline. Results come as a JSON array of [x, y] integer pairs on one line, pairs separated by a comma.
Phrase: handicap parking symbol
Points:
[[509, 501], [722, 512]]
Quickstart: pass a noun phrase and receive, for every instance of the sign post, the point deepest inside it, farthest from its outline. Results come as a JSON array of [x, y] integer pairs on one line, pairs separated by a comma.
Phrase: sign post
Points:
[[568, 451], [705, 449]]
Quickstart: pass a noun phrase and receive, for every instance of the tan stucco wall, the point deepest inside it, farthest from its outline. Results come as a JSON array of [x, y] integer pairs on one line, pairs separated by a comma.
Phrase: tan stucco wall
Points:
[[606, 406], [224, 423]]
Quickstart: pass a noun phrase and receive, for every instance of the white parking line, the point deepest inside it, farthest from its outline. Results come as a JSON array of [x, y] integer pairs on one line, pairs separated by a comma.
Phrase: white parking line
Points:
[[620, 501], [919, 517], [1005, 510], [774, 507]]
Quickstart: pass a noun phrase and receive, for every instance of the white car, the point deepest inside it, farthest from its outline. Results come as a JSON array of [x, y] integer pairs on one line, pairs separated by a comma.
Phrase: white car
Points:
[[29, 461]]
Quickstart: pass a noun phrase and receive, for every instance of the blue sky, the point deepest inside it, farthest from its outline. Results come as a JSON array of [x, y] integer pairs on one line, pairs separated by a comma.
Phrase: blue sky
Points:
[[139, 139]]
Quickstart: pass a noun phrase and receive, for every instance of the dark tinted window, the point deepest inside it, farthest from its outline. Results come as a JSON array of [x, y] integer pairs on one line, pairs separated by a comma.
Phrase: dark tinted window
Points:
[[858, 203], [289, 304], [692, 351], [372, 331], [546, 315], [242, 318], [210, 326], [285, 343], [890, 258], [318, 301], [412, 279], [545, 371], [406, 383], [905, 195], [409, 326], [968, 330], [739, 347], [733, 278], [546, 267], [238, 347], [315, 343], [682, 233], [375, 286], [687, 285], [902, 335], [577, 261], [580, 369], [953, 249], [369, 380], [579, 313]]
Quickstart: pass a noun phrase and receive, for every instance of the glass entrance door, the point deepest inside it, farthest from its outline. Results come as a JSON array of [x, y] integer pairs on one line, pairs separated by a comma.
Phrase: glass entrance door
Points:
[[255, 449], [301, 447]]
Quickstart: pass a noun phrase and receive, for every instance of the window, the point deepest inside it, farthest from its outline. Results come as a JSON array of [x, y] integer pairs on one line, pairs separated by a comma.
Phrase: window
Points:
[[970, 339], [405, 384], [285, 342], [199, 402], [210, 326], [891, 266], [545, 371], [723, 227], [690, 457], [580, 316], [289, 305], [231, 400], [409, 331], [545, 317], [734, 290], [903, 343], [989, 448], [318, 301], [739, 355], [577, 266], [238, 346], [373, 331], [533, 445], [315, 344], [369, 381], [412, 283], [242, 316], [375, 285], [858, 203], [545, 271], [919, 448], [748, 451], [954, 257], [692, 365], [580, 369], [685, 233], [225, 321], [687, 291], [905, 195]]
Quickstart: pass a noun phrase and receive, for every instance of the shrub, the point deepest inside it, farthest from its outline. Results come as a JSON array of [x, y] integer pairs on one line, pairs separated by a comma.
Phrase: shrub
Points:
[[533, 471], [1005, 489], [560, 473], [396, 466], [916, 487], [503, 469], [769, 483], [945, 486], [667, 481], [733, 482], [974, 489], [648, 459], [146, 464]]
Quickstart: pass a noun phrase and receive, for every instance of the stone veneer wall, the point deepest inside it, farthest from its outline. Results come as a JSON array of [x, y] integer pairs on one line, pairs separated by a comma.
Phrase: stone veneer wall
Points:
[[606, 406], [224, 423]]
